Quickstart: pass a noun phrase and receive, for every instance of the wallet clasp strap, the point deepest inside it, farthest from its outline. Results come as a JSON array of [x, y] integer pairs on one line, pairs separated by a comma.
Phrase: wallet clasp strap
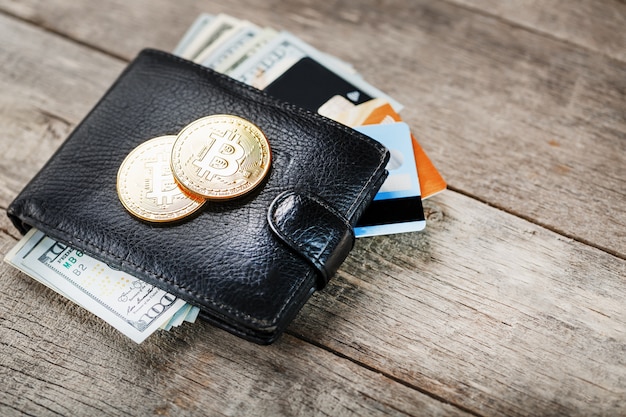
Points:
[[312, 228]]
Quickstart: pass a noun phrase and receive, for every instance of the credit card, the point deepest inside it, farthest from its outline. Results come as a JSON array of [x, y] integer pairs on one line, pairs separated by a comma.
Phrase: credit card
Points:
[[431, 181], [310, 85], [397, 208]]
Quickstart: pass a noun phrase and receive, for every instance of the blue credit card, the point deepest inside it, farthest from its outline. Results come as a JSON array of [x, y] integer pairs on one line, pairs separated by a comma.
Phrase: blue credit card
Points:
[[397, 208]]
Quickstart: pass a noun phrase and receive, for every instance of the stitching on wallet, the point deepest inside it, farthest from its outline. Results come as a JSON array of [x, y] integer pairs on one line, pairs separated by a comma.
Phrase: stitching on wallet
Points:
[[294, 243], [300, 247], [162, 278]]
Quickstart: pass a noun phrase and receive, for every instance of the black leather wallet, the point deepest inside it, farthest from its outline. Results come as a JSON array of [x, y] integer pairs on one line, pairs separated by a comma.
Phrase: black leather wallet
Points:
[[249, 263]]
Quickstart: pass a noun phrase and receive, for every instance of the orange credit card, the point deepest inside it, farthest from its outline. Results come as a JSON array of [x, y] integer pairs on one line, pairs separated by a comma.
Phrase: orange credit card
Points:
[[379, 111]]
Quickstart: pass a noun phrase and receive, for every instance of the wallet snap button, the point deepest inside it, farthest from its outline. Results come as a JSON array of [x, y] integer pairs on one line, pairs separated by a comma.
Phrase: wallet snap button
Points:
[[313, 229]]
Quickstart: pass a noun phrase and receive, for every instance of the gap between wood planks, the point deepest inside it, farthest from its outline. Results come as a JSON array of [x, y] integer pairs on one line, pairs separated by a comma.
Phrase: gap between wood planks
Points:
[[43, 27], [453, 3], [385, 374], [538, 223], [529, 29]]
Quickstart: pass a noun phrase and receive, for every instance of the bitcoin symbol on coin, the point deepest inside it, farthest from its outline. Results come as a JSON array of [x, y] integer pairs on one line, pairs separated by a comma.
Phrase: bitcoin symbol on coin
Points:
[[220, 157], [146, 186], [163, 188]]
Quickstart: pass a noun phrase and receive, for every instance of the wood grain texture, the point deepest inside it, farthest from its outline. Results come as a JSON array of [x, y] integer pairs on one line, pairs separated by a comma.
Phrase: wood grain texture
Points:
[[57, 359], [525, 321], [593, 25], [525, 122], [485, 313], [46, 88]]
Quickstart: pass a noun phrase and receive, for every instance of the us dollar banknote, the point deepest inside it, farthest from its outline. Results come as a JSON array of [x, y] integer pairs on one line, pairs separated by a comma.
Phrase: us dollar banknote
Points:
[[132, 306]]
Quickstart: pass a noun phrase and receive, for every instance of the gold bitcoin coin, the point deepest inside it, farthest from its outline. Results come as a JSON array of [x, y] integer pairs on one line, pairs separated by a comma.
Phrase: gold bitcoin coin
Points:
[[220, 157], [146, 186]]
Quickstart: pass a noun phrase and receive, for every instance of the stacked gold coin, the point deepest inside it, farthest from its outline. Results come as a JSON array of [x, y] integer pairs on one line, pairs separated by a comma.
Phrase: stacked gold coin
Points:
[[213, 158]]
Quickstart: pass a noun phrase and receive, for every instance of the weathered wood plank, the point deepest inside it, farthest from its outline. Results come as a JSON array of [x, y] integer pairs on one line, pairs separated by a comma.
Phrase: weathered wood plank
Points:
[[46, 89], [519, 120], [597, 26], [485, 310], [57, 359]]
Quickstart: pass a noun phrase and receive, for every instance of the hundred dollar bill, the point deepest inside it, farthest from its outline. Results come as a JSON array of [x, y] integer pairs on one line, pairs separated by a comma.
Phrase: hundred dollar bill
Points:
[[218, 29], [244, 28], [201, 22], [229, 47], [241, 55], [135, 308]]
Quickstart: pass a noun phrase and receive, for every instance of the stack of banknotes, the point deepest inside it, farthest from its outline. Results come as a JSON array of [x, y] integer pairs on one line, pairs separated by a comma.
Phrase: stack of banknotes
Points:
[[290, 69]]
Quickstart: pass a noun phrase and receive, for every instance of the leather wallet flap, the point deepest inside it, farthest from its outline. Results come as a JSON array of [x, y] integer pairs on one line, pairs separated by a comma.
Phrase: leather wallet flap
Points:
[[312, 228]]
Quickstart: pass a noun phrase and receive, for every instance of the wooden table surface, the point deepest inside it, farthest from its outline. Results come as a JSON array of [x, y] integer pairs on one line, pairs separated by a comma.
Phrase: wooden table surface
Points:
[[511, 302]]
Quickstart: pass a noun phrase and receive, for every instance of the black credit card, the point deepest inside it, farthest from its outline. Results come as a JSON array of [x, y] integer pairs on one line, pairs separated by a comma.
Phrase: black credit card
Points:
[[310, 85]]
